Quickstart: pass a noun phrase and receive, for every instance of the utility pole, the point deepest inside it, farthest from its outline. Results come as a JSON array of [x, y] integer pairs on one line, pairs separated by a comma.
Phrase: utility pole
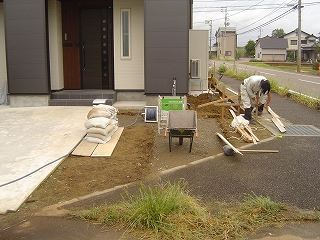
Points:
[[210, 37], [225, 30], [299, 38]]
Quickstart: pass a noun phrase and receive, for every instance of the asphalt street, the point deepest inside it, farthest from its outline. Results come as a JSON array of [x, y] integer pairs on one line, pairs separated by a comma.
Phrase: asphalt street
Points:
[[298, 82]]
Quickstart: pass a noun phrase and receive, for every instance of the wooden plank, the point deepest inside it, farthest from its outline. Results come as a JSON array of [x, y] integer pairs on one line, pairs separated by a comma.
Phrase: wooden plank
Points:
[[223, 96], [227, 142], [105, 150], [217, 101], [278, 124], [252, 134], [84, 149], [244, 134], [227, 104], [272, 113]]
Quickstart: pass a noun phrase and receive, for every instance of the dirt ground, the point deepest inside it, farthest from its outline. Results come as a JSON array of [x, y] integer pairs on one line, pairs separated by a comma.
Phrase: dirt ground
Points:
[[141, 151]]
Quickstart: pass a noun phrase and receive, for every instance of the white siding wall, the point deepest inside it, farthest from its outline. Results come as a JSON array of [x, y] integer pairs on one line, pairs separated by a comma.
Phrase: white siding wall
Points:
[[273, 51], [129, 73], [258, 52], [3, 63], [199, 49], [55, 45]]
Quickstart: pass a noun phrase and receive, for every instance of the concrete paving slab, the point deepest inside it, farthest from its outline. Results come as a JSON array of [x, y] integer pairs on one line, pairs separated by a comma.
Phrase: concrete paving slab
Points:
[[34, 140]]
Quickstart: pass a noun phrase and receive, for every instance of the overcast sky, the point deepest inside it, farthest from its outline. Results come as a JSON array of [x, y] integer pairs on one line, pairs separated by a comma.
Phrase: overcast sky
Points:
[[254, 18]]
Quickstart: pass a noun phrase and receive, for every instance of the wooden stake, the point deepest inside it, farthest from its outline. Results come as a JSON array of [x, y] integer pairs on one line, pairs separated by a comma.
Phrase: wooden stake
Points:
[[223, 96]]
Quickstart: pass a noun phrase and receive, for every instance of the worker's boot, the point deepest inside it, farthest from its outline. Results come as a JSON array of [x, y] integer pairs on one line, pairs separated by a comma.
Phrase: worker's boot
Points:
[[260, 109], [247, 115]]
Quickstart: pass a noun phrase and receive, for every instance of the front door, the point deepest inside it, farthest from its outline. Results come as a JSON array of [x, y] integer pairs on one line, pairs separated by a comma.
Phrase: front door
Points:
[[96, 49]]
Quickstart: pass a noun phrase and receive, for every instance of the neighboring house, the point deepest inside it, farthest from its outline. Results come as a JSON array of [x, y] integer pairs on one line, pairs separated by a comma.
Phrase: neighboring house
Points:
[[131, 47], [307, 43], [226, 42], [269, 49]]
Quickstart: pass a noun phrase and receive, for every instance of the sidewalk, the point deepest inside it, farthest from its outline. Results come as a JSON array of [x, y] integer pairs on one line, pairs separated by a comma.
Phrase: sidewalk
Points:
[[30, 138]]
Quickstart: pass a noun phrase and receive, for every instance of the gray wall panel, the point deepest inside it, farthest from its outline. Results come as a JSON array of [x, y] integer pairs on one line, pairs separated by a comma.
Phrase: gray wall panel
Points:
[[26, 46], [166, 45], [177, 55], [166, 40]]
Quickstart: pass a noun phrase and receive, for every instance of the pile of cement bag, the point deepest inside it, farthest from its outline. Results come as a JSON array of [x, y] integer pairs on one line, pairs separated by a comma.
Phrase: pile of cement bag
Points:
[[101, 124]]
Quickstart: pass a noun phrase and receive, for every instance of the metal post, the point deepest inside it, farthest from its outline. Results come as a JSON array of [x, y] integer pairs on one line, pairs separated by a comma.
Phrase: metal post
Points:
[[225, 34], [299, 38], [210, 37]]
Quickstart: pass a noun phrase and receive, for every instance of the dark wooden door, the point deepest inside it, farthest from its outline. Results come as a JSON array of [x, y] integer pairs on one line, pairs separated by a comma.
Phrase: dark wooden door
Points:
[[96, 49]]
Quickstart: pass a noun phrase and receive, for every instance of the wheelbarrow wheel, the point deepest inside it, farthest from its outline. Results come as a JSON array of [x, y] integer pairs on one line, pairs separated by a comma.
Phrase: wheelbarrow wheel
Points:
[[180, 140]]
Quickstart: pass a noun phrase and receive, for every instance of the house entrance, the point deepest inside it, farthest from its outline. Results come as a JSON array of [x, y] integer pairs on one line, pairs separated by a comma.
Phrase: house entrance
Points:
[[95, 49], [87, 28]]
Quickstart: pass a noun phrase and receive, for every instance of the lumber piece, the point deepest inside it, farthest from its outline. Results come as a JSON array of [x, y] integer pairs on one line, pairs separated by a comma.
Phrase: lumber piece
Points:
[[217, 101], [252, 134], [242, 132], [273, 113], [227, 104], [229, 144], [253, 139], [278, 124], [261, 151]]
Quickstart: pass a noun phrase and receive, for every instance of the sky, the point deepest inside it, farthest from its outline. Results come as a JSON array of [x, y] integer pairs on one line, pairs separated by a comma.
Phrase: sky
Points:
[[254, 18]]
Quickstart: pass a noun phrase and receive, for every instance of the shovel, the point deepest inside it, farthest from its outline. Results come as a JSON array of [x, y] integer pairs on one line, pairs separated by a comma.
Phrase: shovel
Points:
[[229, 151]]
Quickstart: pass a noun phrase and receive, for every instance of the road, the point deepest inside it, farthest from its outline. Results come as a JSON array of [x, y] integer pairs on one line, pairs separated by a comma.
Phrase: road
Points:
[[298, 82]]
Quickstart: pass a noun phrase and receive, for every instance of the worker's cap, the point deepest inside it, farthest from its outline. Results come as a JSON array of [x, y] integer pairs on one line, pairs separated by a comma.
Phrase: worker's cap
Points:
[[265, 86]]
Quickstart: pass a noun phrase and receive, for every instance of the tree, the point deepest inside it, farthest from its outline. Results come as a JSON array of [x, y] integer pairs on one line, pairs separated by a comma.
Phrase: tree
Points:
[[250, 48], [240, 52], [278, 32]]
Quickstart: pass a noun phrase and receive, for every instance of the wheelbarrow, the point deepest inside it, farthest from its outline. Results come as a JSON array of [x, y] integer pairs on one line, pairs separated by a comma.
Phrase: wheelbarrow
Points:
[[181, 124]]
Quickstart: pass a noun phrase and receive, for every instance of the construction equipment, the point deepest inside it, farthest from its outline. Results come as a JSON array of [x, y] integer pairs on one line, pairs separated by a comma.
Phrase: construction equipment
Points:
[[181, 124]]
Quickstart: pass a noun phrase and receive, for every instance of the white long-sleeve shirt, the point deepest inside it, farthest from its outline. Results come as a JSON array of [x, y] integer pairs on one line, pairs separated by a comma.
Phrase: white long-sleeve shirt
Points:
[[252, 84]]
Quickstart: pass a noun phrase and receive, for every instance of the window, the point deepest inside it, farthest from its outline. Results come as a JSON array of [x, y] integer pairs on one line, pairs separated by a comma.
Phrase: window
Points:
[[303, 41], [125, 34], [294, 42], [228, 53], [195, 68]]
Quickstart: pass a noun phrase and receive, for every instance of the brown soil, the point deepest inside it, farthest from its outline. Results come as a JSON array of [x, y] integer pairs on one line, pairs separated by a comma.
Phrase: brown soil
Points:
[[140, 152]]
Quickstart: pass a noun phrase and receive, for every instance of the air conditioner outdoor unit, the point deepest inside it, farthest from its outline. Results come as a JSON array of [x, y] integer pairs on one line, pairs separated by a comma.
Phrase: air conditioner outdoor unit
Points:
[[195, 68]]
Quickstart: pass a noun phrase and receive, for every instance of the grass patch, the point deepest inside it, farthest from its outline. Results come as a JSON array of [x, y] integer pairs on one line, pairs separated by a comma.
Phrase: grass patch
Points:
[[167, 211], [286, 67]]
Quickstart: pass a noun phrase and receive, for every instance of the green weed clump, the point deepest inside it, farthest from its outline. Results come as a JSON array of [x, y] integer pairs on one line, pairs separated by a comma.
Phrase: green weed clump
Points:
[[167, 211]]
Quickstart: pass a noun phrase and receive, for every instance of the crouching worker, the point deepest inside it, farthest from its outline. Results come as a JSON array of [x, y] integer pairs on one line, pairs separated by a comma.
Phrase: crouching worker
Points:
[[251, 88]]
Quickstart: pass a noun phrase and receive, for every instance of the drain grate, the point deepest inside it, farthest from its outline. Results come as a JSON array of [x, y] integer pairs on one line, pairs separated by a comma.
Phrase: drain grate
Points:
[[302, 130]]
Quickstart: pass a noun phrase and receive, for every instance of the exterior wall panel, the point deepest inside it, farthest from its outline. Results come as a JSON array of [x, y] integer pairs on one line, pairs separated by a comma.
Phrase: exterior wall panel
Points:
[[166, 46], [26, 46], [3, 63], [129, 73]]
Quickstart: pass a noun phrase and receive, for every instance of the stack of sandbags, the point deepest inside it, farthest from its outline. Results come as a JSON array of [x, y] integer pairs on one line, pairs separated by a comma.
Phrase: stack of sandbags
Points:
[[101, 124]]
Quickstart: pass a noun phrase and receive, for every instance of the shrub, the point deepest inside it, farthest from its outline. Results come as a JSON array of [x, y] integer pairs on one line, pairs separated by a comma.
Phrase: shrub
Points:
[[315, 66]]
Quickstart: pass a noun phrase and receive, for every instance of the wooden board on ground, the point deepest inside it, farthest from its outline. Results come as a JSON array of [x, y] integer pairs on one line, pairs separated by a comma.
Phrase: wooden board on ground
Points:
[[279, 124], [84, 149], [105, 150]]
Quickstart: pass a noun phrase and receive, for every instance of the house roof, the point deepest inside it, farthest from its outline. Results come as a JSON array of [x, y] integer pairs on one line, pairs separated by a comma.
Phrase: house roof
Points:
[[228, 29], [294, 31], [272, 43]]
